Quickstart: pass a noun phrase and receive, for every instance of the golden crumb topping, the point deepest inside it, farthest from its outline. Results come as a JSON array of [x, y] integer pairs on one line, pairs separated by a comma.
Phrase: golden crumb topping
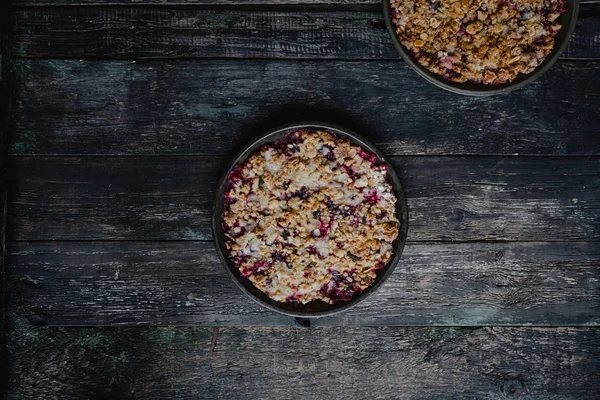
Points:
[[482, 41], [310, 217]]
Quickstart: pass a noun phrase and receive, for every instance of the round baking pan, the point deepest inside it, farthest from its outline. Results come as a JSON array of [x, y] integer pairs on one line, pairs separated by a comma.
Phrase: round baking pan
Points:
[[566, 19], [315, 308]]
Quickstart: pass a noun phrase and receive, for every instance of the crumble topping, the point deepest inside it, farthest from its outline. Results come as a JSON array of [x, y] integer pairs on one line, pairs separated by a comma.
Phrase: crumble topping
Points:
[[310, 217], [482, 41]]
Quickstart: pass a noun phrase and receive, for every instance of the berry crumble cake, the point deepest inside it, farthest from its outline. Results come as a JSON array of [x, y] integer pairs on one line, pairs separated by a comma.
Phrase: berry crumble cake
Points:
[[481, 41], [310, 217]]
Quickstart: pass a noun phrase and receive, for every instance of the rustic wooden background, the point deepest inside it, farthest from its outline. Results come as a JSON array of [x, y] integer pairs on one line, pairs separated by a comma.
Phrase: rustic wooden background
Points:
[[119, 119]]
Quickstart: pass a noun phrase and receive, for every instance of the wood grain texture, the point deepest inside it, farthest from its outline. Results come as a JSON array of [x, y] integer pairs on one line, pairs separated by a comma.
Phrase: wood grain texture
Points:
[[160, 32], [60, 3], [183, 283], [170, 198], [587, 34], [212, 107], [5, 90], [400, 363], [22, 3], [36, 3]]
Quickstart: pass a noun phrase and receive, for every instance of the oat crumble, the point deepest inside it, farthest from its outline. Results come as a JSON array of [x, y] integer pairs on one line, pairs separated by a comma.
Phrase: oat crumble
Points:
[[481, 41], [310, 217]]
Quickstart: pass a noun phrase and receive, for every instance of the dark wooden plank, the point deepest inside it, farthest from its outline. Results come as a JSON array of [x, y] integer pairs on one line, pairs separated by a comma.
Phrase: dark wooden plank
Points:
[[214, 106], [61, 3], [487, 284], [205, 2], [151, 32], [182, 283], [170, 198], [586, 36], [5, 90], [253, 363], [159, 32]]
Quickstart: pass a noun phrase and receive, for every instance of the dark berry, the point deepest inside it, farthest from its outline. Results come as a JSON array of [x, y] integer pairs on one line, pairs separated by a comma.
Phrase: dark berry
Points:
[[365, 155], [450, 74], [258, 266], [327, 152], [235, 234], [333, 135], [545, 11], [381, 215], [239, 259], [434, 5], [236, 175], [350, 171], [292, 298], [279, 256], [353, 257], [333, 208], [302, 193], [463, 30], [229, 200], [226, 228], [372, 197], [351, 210], [324, 228], [283, 144], [312, 250], [350, 272], [336, 292], [337, 278], [291, 150], [261, 266]]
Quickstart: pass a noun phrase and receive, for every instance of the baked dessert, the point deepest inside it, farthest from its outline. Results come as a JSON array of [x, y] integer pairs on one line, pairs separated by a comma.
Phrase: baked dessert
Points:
[[310, 217], [481, 41]]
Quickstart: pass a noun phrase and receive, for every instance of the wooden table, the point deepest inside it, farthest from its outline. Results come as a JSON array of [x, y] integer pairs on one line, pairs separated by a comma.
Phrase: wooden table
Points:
[[121, 117]]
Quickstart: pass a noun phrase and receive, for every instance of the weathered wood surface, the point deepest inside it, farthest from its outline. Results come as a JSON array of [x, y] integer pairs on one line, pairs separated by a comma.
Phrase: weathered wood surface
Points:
[[122, 239], [206, 2], [212, 107], [5, 90], [170, 198], [159, 32], [407, 363], [183, 283], [36, 3]]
